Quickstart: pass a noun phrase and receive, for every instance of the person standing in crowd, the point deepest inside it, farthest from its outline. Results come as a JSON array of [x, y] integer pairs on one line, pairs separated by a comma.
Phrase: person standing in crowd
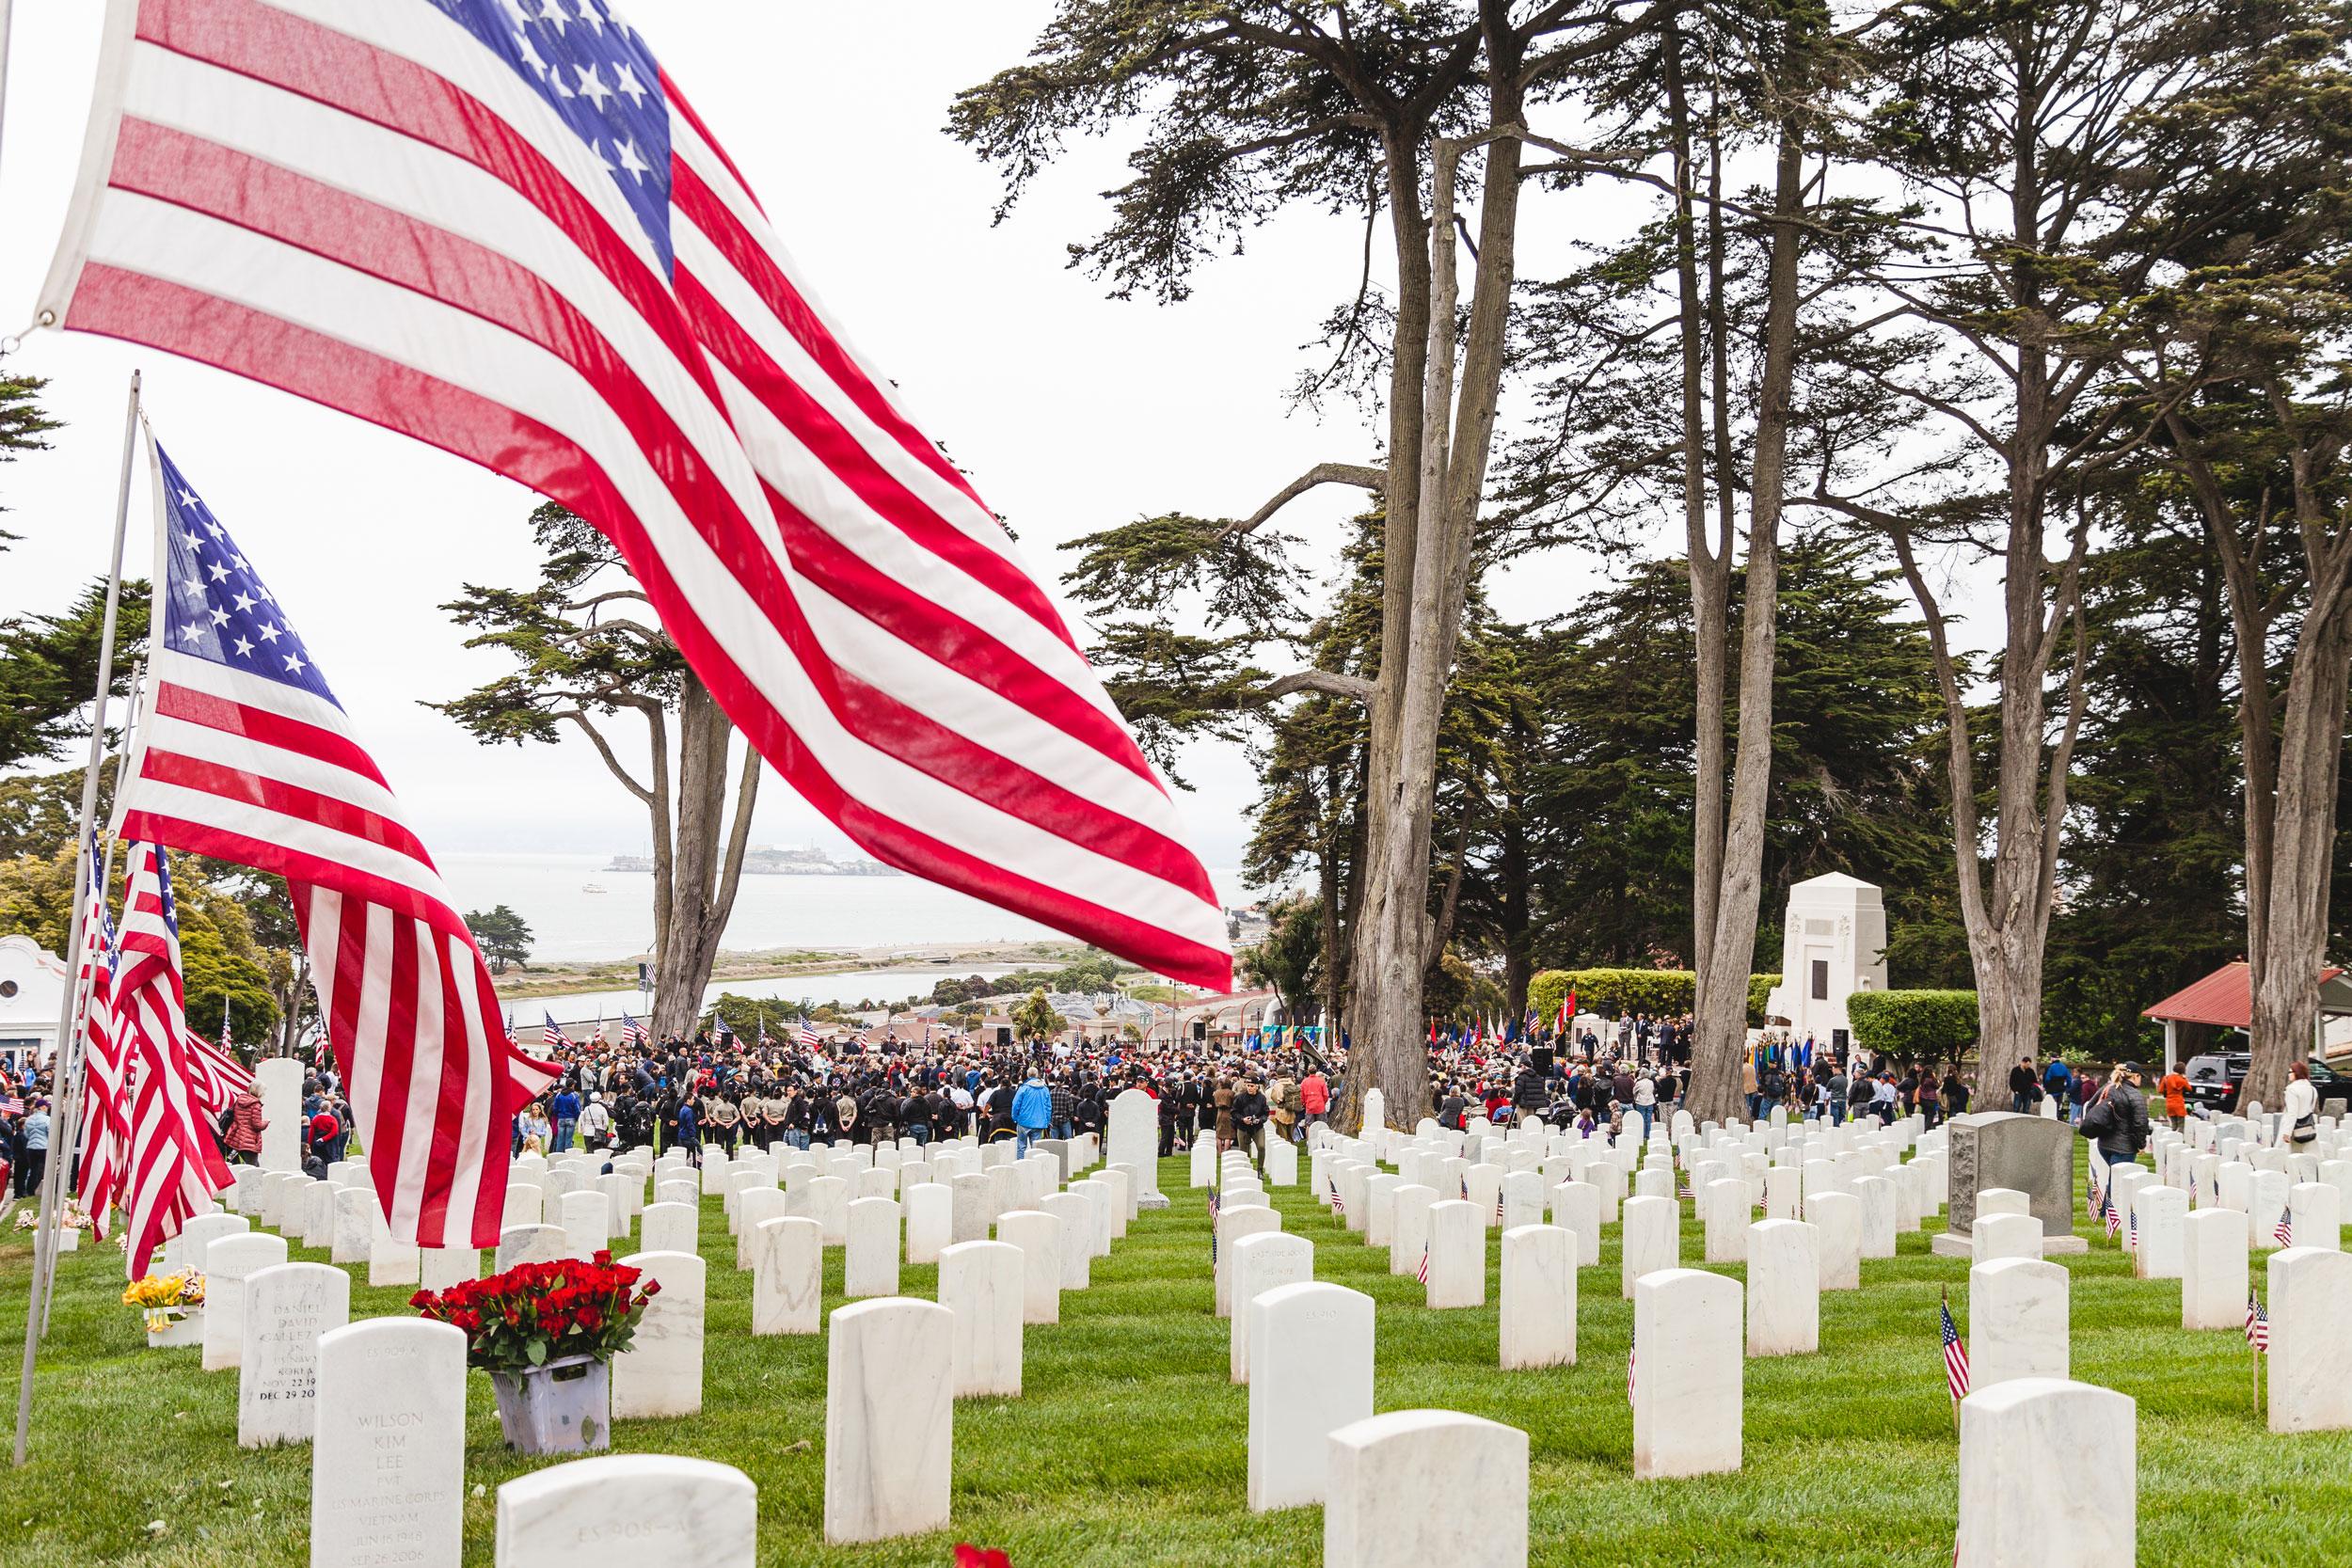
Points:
[[2020, 1084], [245, 1125], [2299, 1108], [2174, 1087], [1250, 1112], [596, 1123], [1032, 1112], [2117, 1118], [1058, 1120], [1314, 1101], [32, 1144], [563, 1112]]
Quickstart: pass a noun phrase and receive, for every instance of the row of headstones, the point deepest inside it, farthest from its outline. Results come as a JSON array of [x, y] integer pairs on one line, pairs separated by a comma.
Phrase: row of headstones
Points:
[[401, 1389], [1858, 1198], [1461, 1492]]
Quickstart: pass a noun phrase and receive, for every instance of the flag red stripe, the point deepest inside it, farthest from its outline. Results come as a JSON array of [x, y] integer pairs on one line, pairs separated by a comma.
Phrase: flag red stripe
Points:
[[187, 703], [111, 302]]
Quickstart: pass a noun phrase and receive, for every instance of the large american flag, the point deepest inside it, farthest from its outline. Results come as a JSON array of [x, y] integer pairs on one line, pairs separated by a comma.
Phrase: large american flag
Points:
[[105, 1106], [497, 225], [243, 753], [176, 1166]]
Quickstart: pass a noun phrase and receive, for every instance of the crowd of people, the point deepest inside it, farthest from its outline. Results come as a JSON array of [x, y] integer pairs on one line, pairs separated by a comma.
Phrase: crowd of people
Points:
[[686, 1094]]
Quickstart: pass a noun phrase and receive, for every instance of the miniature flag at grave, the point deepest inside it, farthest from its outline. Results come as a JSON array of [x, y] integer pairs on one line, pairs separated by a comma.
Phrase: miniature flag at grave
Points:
[[2284, 1233], [2115, 1221], [1632, 1350], [2257, 1326], [1421, 1274], [1955, 1354], [1212, 1210]]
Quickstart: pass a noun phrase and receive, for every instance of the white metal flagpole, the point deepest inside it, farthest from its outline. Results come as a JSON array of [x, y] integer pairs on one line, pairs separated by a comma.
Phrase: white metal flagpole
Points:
[[52, 1180], [69, 1087]]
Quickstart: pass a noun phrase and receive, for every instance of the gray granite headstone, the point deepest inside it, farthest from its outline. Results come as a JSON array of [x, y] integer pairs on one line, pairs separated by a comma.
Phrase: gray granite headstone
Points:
[[2030, 1154], [1059, 1148]]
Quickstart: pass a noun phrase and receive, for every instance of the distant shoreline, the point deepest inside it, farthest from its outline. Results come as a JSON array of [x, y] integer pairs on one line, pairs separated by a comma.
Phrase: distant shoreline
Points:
[[621, 973]]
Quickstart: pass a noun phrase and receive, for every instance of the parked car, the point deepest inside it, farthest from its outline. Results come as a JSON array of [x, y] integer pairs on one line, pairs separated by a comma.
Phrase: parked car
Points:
[[2214, 1079]]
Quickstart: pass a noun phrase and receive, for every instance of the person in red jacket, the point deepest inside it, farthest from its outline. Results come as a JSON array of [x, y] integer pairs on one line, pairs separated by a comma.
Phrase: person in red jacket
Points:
[[245, 1123], [1314, 1100]]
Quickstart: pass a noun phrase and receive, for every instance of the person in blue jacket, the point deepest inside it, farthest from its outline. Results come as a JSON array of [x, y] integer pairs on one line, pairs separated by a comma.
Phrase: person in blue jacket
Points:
[[1032, 1109]]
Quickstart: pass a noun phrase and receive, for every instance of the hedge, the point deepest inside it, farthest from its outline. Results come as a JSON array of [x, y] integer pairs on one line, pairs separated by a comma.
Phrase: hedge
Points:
[[1619, 991], [1922, 1025], [1613, 991]]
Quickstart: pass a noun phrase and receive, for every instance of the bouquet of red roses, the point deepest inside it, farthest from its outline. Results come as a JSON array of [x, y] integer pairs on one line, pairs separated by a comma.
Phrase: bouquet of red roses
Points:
[[535, 1313]]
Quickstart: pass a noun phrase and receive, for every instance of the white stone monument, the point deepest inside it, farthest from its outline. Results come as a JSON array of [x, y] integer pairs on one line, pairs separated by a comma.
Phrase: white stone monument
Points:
[[1834, 944]]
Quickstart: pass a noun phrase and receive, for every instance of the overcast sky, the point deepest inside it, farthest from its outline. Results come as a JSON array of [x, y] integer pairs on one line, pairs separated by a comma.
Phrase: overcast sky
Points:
[[1071, 410]]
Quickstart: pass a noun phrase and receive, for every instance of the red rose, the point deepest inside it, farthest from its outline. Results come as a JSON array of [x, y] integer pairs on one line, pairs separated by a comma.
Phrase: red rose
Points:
[[969, 1556]]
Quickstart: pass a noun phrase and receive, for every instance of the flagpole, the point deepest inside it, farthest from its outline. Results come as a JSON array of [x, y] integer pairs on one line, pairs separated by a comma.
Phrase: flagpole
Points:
[[8, 15], [44, 1238], [64, 1143]]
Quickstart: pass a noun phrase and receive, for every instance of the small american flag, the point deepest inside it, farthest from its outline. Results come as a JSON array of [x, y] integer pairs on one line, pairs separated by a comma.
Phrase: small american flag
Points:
[[1632, 1350], [1498, 1206], [1955, 1354], [2257, 1326], [1214, 1207], [2284, 1233], [2115, 1221], [1339, 1202], [1421, 1274]]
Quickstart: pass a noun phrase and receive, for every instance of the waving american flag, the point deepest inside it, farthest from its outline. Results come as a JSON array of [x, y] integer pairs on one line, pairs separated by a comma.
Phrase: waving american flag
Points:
[[175, 1165], [497, 227], [243, 753], [106, 1103]]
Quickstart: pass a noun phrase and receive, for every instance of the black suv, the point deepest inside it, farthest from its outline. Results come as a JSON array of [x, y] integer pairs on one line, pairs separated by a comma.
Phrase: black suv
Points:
[[2214, 1080]]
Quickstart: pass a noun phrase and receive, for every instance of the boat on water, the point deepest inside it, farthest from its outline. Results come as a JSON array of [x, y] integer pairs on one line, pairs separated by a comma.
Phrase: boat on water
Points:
[[590, 887]]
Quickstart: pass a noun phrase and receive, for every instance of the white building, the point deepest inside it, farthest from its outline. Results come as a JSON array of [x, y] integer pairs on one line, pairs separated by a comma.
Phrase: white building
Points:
[[32, 990], [1833, 943]]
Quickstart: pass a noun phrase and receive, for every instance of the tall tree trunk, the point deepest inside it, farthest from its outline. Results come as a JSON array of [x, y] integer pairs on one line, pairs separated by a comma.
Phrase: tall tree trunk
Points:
[[2292, 775], [698, 862], [1728, 855], [1441, 427]]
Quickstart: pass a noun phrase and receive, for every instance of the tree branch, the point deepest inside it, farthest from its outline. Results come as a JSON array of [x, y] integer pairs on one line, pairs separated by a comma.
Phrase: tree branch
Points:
[[1355, 688], [605, 750], [1322, 473]]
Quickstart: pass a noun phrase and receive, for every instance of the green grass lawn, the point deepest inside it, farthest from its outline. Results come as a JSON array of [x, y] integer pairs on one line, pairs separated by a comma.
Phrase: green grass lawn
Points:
[[1128, 1446]]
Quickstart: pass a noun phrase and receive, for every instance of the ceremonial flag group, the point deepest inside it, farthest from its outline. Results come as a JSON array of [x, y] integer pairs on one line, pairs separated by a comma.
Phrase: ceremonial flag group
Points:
[[498, 227]]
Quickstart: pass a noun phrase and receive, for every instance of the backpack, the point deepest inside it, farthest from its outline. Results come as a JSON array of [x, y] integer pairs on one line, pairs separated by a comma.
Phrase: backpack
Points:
[[2098, 1119]]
